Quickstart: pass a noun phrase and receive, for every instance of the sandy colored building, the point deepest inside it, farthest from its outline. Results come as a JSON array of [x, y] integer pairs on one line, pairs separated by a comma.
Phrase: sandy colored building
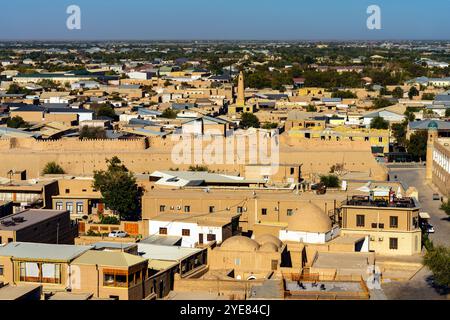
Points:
[[250, 259], [390, 224], [39, 226], [46, 264], [111, 274], [77, 195], [378, 139]]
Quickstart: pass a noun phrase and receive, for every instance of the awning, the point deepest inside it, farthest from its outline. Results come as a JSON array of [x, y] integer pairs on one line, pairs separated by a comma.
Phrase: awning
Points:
[[424, 215]]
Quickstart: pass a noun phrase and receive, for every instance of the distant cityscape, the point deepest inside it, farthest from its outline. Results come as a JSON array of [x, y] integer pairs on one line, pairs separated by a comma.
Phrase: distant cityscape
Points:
[[224, 170]]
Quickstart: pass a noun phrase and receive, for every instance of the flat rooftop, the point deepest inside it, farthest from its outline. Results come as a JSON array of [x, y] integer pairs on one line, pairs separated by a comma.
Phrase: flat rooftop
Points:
[[397, 203], [14, 292], [166, 253], [14, 222], [42, 251], [214, 219]]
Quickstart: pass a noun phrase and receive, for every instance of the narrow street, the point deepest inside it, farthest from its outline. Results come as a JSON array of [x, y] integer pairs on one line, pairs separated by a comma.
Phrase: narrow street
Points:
[[420, 286]]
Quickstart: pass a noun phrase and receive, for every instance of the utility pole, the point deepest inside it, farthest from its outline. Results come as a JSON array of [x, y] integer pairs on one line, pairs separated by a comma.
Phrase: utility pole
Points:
[[57, 233]]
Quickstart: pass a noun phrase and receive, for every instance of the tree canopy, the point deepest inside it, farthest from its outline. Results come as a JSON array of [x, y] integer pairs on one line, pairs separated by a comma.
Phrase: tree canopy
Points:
[[119, 189], [417, 145], [379, 123], [53, 168], [249, 120], [92, 133], [17, 122], [438, 260]]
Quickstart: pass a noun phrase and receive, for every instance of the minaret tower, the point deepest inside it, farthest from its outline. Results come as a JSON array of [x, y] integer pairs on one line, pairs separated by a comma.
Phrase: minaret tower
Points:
[[432, 136], [240, 101]]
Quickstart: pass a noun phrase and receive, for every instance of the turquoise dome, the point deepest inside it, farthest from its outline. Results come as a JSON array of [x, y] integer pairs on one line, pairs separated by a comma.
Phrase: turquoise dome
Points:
[[433, 125]]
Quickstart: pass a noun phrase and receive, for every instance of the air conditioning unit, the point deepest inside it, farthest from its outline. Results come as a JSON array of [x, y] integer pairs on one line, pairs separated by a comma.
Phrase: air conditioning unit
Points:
[[372, 238], [171, 208], [179, 208], [244, 209], [276, 209], [380, 239]]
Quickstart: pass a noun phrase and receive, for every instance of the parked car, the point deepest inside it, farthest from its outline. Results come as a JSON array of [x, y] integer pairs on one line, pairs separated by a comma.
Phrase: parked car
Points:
[[436, 196], [117, 234], [430, 228]]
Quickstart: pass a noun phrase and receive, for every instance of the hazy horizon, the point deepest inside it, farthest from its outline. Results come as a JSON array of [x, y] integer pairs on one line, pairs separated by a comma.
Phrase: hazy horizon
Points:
[[225, 20]]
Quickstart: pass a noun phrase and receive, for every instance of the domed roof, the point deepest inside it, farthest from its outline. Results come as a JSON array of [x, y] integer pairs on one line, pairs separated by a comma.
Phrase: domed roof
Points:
[[268, 238], [433, 125], [240, 243], [268, 247], [309, 218]]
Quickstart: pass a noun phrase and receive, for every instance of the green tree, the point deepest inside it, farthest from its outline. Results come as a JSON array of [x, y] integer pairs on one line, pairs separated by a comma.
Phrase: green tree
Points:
[[446, 207], [17, 122], [379, 123], [417, 145], [270, 125], [48, 84], [16, 89], [413, 92], [169, 114], [399, 132], [438, 261], [398, 93], [428, 96], [92, 133], [119, 189], [311, 108], [343, 94], [249, 120], [379, 103], [447, 112], [330, 181], [198, 168], [52, 168], [103, 110]]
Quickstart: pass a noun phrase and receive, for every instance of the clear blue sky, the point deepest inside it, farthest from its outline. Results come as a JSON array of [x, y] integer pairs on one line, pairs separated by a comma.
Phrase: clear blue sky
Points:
[[224, 19]]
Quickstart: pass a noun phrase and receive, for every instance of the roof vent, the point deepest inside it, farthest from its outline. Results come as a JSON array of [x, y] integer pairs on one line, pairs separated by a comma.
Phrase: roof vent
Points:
[[18, 219], [8, 223]]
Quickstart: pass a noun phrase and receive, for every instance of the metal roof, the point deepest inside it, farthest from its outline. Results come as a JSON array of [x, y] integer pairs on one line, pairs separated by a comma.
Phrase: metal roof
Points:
[[42, 251], [167, 253]]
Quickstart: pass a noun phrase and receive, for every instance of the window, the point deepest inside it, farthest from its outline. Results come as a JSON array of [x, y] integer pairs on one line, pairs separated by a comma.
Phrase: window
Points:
[[162, 208], [381, 225], [79, 207], [115, 278], [59, 205], [10, 240], [211, 237], [292, 171], [40, 272], [187, 209], [69, 206], [240, 209], [264, 211], [374, 225], [186, 232], [162, 230], [274, 264], [393, 243], [2, 268], [67, 190], [212, 209], [237, 261], [290, 212], [380, 139], [360, 220]]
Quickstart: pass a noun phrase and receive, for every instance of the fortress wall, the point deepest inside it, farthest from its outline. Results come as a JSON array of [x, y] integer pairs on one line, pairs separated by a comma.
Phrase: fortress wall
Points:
[[73, 144], [145, 156]]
